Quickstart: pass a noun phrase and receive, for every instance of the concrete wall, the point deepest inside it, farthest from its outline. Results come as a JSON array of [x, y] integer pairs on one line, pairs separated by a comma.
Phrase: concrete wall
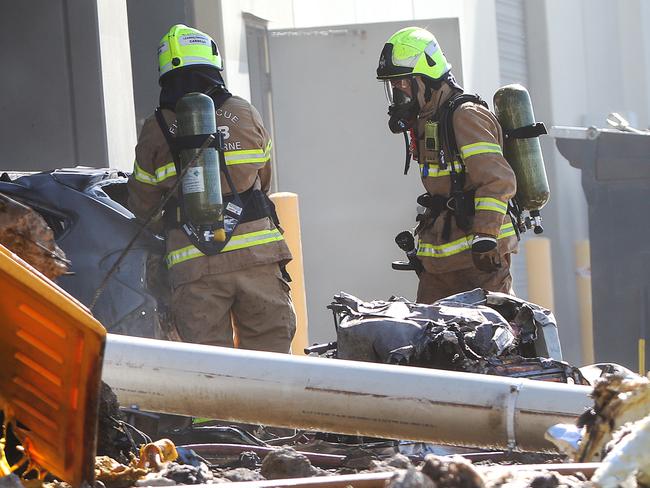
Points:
[[117, 82], [148, 21], [476, 18], [334, 149], [66, 84]]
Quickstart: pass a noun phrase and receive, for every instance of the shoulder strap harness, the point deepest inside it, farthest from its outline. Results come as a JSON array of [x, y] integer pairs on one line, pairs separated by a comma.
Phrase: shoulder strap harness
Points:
[[460, 202], [254, 205]]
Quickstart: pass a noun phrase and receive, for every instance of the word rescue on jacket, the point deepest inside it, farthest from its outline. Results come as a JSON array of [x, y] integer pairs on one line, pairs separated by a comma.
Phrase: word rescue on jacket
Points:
[[225, 130]]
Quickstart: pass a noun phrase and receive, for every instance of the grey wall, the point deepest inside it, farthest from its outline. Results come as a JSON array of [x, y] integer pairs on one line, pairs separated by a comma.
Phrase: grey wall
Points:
[[334, 149], [587, 59], [149, 20], [51, 107], [565, 214]]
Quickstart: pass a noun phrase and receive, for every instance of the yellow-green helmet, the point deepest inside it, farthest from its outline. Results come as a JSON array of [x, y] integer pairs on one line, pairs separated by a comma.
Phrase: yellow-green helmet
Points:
[[412, 51], [183, 46]]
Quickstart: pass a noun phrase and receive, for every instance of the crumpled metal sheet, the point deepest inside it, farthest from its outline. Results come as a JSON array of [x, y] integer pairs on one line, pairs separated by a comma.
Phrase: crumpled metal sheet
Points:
[[474, 331]]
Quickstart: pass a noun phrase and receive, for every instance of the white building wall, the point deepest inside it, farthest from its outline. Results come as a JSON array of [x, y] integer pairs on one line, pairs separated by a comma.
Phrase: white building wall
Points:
[[476, 17], [117, 82]]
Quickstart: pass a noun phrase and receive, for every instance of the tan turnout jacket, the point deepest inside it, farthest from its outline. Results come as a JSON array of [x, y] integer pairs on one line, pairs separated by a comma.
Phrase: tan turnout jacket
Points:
[[480, 141], [248, 157]]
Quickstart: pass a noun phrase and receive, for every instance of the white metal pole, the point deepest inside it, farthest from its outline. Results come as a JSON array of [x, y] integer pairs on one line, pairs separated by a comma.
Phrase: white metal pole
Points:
[[332, 395]]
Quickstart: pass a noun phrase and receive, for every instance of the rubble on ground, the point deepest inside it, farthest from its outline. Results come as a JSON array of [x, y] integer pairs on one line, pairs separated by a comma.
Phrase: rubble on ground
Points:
[[628, 457], [161, 463], [616, 429], [617, 400], [495, 335], [24, 232], [287, 463]]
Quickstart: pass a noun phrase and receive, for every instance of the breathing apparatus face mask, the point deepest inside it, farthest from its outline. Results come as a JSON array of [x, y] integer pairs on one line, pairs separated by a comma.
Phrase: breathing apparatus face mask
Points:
[[403, 106]]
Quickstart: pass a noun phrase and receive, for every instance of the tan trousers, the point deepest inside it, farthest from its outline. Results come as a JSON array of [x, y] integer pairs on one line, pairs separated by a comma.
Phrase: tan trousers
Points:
[[433, 287], [258, 299]]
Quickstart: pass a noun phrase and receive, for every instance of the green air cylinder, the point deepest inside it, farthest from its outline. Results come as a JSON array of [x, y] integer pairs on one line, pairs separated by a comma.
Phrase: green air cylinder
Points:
[[202, 182], [514, 109]]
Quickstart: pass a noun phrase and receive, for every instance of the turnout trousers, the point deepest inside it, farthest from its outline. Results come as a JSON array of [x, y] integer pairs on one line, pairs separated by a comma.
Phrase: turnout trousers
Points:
[[258, 299], [434, 286]]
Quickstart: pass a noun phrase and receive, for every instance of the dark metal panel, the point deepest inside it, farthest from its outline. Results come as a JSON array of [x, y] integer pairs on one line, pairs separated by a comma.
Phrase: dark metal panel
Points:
[[619, 210], [81, 30], [36, 116], [51, 107], [622, 158]]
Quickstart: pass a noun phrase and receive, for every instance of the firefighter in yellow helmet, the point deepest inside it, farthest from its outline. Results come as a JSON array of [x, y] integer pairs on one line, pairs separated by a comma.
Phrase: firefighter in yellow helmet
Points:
[[464, 234], [246, 279]]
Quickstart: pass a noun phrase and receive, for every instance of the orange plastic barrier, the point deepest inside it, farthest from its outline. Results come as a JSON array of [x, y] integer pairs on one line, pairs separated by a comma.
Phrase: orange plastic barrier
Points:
[[51, 352]]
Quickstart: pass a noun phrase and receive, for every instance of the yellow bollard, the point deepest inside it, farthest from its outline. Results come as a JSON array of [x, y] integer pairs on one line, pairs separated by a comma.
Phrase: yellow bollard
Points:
[[286, 205], [540, 275], [583, 284]]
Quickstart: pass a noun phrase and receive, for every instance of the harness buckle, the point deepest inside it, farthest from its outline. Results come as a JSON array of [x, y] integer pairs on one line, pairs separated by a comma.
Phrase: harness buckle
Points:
[[451, 204]]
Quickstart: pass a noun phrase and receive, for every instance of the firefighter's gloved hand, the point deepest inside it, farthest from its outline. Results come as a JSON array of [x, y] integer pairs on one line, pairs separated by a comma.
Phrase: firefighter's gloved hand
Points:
[[485, 253]]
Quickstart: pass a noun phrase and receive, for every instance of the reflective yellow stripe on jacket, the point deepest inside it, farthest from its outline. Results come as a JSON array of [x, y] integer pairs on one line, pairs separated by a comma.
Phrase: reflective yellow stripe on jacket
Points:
[[436, 171], [479, 148], [244, 156], [492, 204], [232, 157], [161, 174], [236, 242], [459, 245]]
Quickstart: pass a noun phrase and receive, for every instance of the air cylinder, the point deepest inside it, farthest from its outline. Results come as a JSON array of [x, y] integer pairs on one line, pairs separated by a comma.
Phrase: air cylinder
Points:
[[201, 184], [514, 110]]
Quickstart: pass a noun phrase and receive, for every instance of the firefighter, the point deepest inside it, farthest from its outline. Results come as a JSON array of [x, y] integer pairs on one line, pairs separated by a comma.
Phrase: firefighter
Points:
[[465, 236], [245, 282]]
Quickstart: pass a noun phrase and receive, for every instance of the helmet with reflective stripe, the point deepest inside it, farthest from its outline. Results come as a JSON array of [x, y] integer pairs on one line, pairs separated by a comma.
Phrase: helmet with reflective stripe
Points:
[[183, 46], [412, 51]]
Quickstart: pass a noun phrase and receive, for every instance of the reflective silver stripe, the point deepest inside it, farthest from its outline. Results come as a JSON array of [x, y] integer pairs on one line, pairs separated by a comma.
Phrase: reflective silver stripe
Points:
[[161, 175], [459, 245], [431, 48], [183, 254], [479, 148], [248, 155], [189, 60], [253, 239], [409, 62], [507, 230], [247, 158], [435, 171], [165, 172], [492, 204], [142, 176], [165, 68], [241, 241], [444, 250]]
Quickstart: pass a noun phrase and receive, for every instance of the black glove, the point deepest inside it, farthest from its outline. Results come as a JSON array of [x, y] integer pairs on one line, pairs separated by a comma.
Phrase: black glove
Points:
[[485, 253]]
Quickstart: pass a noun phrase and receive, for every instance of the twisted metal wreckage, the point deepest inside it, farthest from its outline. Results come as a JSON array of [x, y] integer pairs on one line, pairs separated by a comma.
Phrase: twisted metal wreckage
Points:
[[474, 332]]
